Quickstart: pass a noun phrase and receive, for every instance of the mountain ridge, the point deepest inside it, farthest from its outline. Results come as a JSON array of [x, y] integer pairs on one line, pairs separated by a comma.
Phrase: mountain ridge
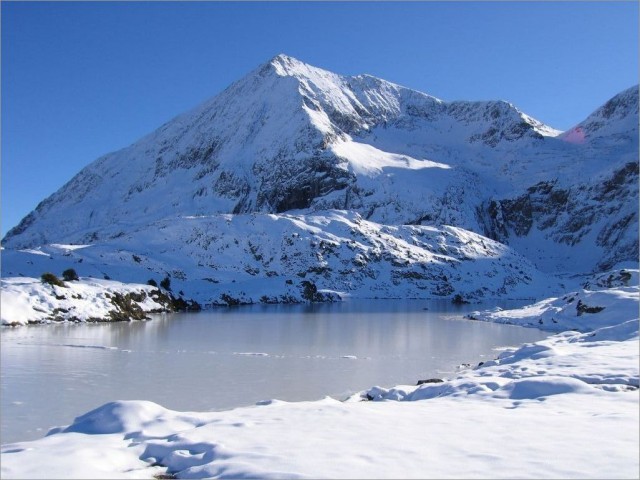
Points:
[[290, 138]]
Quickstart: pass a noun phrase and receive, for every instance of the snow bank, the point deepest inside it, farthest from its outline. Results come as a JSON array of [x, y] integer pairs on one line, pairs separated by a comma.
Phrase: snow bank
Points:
[[573, 311], [28, 300], [563, 407]]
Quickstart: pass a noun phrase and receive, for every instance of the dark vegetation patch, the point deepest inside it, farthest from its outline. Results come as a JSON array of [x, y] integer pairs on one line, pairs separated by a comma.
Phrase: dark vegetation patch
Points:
[[51, 279], [70, 275], [583, 308]]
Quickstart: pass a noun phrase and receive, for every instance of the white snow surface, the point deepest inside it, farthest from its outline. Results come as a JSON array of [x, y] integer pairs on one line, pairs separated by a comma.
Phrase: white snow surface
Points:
[[28, 300], [564, 407], [369, 161], [266, 257]]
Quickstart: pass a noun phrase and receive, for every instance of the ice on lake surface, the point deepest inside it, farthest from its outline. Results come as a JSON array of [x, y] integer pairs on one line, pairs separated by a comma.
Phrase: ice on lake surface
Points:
[[230, 357]]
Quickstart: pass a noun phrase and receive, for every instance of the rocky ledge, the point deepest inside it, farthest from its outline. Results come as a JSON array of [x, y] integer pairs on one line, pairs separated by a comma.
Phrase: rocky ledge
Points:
[[27, 300]]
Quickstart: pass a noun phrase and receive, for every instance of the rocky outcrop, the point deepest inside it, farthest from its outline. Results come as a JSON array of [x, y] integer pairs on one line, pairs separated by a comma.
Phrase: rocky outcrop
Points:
[[601, 213]]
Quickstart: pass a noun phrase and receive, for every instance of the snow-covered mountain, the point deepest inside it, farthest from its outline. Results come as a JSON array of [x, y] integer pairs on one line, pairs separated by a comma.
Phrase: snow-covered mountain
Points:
[[615, 122], [227, 259], [291, 143]]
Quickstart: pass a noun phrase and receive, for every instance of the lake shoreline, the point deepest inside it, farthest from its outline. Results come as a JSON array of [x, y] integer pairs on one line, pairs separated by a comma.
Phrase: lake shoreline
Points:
[[31, 301], [502, 419], [569, 389], [238, 356]]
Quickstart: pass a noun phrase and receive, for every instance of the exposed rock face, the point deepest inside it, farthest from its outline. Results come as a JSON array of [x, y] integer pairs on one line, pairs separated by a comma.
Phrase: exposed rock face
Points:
[[606, 210]]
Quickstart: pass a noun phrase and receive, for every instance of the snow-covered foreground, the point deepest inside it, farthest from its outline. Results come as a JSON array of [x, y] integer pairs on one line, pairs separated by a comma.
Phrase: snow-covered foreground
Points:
[[565, 407]]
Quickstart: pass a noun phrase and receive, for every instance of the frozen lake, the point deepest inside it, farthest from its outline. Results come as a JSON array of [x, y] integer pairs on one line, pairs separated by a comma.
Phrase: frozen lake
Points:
[[231, 357]]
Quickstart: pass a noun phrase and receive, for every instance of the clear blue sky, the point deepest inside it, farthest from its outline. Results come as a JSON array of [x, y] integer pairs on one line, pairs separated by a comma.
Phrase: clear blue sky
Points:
[[81, 79]]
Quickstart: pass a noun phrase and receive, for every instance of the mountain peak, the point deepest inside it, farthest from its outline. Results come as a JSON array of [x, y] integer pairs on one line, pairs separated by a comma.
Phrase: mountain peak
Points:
[[291, 136], [287, 66], [615, 120], [284, 59], [621, 105]]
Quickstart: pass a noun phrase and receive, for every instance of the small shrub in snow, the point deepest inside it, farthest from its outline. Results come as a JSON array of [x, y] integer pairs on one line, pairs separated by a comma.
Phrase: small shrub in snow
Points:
[[51, 279], [458, 299], [70, 275], [166, 283]]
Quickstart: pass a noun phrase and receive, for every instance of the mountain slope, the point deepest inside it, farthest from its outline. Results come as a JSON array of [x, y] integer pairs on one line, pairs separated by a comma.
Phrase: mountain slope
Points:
[[272, 142], [588, 226], [614, 122], [295, 139], [248, 258]]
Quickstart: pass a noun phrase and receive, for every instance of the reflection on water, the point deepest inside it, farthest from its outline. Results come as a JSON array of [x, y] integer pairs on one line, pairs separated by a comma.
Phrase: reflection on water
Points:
[[230, 357]]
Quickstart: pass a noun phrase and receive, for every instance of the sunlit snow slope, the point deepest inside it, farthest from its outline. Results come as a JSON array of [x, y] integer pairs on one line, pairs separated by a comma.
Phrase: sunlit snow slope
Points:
[[292, 139]]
